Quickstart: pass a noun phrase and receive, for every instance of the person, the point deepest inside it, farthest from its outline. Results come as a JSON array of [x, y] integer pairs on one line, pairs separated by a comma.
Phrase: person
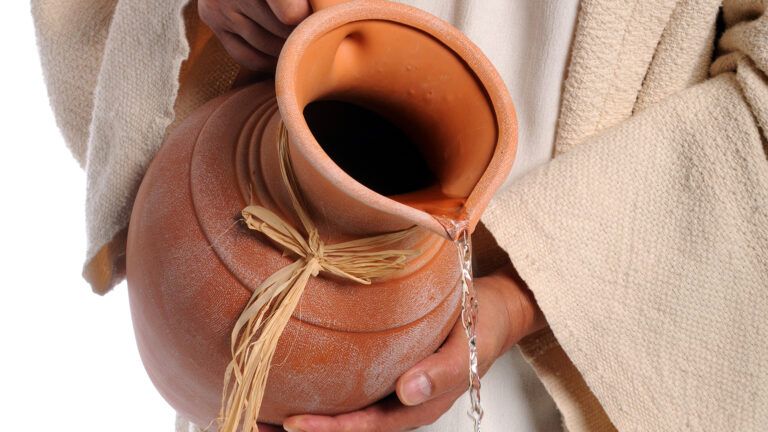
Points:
[[641, 246]]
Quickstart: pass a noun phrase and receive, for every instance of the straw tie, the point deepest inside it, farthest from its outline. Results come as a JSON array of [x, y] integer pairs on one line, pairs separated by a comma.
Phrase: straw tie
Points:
[[257, 331]]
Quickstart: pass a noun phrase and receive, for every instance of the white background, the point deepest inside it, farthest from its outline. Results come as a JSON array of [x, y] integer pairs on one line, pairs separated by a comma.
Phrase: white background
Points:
[[68, 359]]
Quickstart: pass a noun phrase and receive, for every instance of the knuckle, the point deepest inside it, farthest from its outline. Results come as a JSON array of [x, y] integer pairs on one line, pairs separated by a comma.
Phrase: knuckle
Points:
[[456, 370], [292, 12], [212, 13]]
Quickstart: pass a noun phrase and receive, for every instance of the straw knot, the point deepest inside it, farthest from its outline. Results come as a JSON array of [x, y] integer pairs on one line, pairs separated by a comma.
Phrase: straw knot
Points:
[[315, 254], [257, 331], [316, 246]]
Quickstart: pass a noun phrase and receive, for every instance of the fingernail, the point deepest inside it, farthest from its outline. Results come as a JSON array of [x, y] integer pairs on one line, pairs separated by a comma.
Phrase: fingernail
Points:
[[416, 390], [292, 427]]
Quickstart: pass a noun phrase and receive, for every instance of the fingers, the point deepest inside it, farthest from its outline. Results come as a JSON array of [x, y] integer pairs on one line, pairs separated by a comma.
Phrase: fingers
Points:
[[388, 415], [442, 372], [447, 371], [260, 12], [523, 314], [290, 12], [429, 389], [245, 54], [253, 31], [256, 36]]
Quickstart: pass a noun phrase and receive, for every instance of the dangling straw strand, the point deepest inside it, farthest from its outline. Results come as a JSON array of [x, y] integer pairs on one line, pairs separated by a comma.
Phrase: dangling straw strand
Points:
[[257, 331]]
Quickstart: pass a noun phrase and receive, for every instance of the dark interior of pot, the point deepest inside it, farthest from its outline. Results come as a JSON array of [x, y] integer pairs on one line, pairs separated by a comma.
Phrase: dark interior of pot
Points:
[[369, 148], [398, 111]]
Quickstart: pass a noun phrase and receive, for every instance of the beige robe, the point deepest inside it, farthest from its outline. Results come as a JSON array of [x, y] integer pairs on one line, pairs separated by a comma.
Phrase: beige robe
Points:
[[645, 240]]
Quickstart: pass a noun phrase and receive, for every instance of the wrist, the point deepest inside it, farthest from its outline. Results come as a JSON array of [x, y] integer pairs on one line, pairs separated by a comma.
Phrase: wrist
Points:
[[524, 317]]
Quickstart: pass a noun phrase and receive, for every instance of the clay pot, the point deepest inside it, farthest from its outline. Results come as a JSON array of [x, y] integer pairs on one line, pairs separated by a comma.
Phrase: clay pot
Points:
[[439, 133]]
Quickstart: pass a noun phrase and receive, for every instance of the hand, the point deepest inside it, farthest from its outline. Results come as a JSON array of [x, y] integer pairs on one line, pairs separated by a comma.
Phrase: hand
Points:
[[253, 31], [508, 313]]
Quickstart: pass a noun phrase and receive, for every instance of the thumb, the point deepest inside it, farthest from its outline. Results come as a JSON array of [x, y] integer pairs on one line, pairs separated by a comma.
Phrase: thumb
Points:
[[443, 372], [447, 370]]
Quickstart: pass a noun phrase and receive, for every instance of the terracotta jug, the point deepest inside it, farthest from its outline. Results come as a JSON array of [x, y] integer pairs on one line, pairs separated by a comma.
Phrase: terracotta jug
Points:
[[393, 118]]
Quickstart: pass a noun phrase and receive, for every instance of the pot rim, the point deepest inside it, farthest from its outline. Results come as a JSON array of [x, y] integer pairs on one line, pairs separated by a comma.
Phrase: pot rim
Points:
[[331, 18]]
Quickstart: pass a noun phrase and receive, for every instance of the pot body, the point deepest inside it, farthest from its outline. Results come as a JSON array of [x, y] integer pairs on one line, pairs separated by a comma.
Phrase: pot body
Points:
[[192, 267]]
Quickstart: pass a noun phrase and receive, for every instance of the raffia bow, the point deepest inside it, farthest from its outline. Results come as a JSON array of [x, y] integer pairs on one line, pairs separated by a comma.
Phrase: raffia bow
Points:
[[257, 331]]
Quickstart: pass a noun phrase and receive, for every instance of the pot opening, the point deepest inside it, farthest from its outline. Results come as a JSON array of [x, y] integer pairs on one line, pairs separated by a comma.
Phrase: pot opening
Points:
[[399, 112], [368, 147]]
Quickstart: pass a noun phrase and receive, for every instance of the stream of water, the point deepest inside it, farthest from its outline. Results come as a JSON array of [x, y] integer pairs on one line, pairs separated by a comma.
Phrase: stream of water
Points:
[[459, 232]]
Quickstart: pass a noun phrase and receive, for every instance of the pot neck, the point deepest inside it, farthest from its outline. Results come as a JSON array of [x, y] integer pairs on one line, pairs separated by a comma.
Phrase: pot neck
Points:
[[418, 74], [341, 204]]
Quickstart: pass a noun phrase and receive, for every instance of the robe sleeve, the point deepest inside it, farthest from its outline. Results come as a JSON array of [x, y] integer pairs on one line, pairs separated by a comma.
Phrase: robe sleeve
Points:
[[71, 39], [646, 247], [119, 75]]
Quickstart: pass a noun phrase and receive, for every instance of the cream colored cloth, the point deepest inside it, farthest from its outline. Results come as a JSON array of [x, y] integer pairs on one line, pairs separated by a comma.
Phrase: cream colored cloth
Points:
[[645, 240], [113, 70]]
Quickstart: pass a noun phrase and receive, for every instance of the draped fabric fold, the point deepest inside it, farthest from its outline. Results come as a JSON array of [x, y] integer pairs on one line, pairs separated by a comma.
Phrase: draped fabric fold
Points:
[[645, 241]]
